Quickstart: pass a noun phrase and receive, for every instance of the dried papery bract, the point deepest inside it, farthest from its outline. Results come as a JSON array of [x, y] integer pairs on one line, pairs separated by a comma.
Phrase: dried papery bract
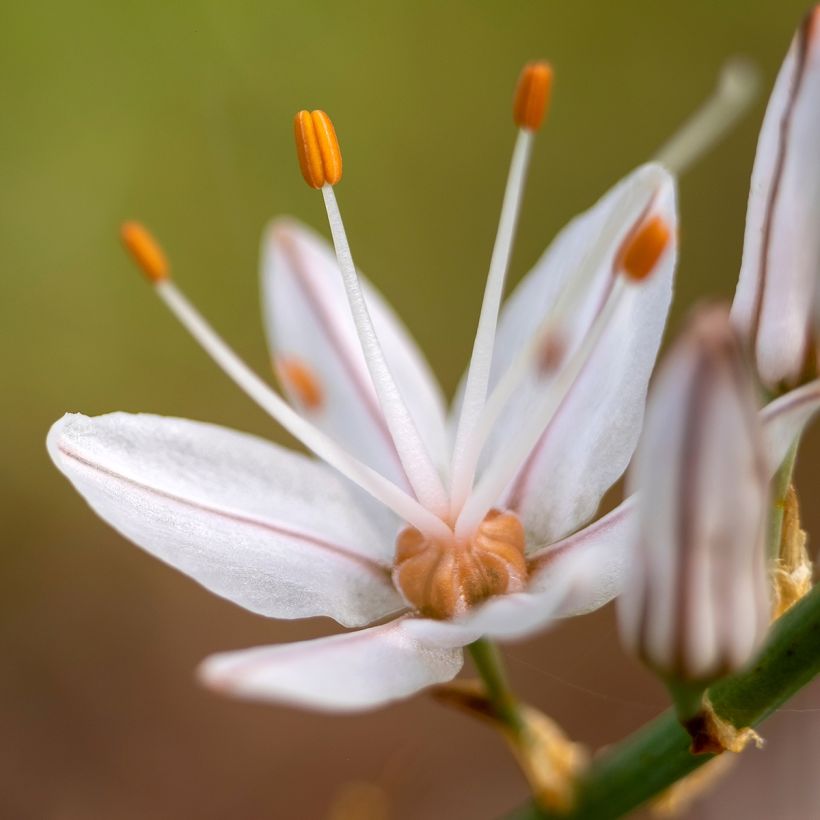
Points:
[[697, 607], [773, 306]]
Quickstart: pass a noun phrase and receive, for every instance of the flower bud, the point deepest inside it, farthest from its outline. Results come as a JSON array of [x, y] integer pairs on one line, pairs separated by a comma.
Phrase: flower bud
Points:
[[774, 304], [696, 606]]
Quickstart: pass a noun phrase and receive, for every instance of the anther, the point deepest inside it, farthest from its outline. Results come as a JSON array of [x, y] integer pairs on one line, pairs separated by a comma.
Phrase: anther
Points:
[[145, 251], [301, 382], [317, 148], [643, 248], [532, 95]]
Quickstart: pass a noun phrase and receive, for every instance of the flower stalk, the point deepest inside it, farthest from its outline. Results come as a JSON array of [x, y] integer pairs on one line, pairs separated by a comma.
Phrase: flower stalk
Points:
[[490, 667], [657, 755]]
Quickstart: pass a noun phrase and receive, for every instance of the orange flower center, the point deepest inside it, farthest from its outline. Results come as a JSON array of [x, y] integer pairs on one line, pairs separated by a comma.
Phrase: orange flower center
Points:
[[443, 578]]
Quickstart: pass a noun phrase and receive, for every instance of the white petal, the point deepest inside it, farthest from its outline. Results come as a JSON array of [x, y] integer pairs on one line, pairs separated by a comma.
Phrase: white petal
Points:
[[785, 418], [266, 528], [343, 673], [308, 320], [591, 439], [781, 250], [605, 545]]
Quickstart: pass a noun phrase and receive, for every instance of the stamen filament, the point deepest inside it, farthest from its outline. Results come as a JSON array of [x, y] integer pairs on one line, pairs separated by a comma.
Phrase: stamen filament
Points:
[[565, 307], [368, 479], [418, 465], [478, 374], [736, 89], [508, 462]]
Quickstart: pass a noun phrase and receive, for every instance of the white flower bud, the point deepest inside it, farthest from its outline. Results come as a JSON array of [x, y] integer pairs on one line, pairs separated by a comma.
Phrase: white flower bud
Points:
[[696, 605], [774, 304]]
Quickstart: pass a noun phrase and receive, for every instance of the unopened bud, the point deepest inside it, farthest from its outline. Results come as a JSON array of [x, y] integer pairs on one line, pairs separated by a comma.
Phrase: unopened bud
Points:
[[776, 304], [696, 606]]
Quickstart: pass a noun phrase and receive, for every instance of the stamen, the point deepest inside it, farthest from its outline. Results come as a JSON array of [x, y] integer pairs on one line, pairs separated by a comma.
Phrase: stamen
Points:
[[418, 465], [736, 90], [144, 251], [317, 148], [642, 250], [532, 95], [647, 242], [368, 479], [507, 462], [528, 110]]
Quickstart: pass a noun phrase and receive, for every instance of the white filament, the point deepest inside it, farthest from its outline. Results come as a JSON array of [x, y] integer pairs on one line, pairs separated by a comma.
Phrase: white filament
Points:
[[736, 89], [478, 375], [509, 460], [418, 465], [560, 315], [368, 479]]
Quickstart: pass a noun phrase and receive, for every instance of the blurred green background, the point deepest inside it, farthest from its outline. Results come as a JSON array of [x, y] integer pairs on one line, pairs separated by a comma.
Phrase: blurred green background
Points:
[[179, 114]]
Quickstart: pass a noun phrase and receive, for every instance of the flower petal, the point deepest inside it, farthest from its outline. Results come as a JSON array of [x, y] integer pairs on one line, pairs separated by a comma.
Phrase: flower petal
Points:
[[309, 327], [781, 250], [343, 673], [605, 545], [266, 528], [784, 420], [589, 442]]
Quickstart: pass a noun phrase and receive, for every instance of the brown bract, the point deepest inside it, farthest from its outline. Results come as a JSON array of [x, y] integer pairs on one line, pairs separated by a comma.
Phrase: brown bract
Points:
[[444, 578]]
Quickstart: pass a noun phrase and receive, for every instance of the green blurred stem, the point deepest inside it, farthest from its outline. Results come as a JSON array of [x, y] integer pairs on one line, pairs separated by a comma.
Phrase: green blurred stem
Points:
[[490, 667], [687, 697], [780, 488], [656, 756]]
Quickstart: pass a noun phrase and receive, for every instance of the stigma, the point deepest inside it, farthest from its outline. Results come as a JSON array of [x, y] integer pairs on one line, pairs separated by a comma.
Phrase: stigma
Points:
[[444, 578]]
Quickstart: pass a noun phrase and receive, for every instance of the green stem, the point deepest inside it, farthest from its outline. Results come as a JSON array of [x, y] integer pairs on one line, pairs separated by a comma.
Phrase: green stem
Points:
[[780, 487], [656, 756], [687, 697], [490, 667]]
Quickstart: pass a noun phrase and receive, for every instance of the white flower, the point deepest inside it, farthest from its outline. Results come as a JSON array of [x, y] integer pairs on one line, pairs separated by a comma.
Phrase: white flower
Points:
[[696, 604], [777, 299], [288, 537]]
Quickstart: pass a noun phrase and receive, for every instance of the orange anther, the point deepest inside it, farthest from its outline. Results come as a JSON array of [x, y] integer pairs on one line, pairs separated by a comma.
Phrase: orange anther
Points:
[[532, 95], [145, 251], [643, 247], [317, 148], [301, 382]]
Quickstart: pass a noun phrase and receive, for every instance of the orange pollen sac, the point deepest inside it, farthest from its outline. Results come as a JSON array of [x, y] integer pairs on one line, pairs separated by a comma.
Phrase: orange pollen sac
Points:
[[532, 95], [317, 148], [145, 251], [643, 248], [301, 382], [444, 578]]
